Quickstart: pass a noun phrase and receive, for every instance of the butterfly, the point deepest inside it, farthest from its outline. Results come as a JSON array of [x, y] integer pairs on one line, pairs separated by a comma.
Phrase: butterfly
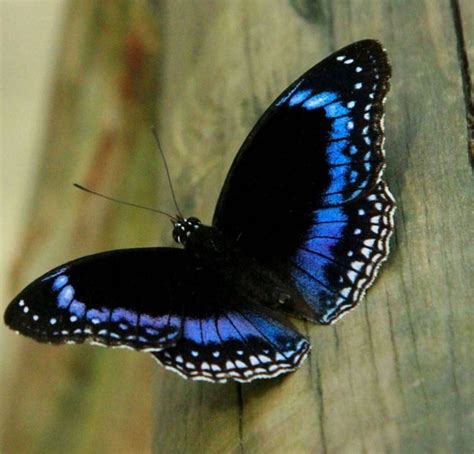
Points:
[[301, 227]]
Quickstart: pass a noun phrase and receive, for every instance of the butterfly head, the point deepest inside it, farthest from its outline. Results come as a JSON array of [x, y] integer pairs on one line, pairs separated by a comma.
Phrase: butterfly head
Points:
[[184, 228]]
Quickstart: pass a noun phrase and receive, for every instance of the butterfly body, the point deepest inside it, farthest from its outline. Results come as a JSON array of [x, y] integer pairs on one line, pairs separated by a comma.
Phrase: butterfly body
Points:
[[302, 226], [241, 273]]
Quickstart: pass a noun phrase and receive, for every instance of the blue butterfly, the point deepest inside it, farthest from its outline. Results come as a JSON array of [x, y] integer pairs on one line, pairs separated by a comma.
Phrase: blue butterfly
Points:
[[301, 226]]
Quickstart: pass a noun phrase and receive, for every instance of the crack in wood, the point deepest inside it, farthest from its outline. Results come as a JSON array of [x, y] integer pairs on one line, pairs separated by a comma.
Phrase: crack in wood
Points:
[[321, 412], [316, 378], [241, 417], [465, 78]]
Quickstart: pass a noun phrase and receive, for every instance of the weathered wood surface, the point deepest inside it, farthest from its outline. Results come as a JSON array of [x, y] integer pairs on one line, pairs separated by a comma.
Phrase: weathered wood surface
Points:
[[80, 398], [395, 374]]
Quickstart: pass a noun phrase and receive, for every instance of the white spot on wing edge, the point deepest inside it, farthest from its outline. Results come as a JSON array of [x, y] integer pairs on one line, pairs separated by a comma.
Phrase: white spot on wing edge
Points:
[[373, 268], [249, 375]]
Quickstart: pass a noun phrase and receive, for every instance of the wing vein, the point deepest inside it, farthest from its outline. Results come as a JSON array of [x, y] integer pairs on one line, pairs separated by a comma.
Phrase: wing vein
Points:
[[334, 292], [328, 258]]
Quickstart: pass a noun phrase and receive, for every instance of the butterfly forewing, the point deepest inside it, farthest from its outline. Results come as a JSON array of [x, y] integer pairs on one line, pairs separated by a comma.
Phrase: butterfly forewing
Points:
[[308, 168], [341, 254], [125, 298]]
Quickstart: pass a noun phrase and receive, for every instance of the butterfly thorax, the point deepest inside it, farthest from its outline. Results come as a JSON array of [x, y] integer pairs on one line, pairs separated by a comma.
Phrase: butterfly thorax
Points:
[[184, 228], [202, 241]]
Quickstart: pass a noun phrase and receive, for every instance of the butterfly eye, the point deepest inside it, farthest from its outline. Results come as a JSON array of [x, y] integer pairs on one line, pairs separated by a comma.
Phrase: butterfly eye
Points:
[[179, 232]]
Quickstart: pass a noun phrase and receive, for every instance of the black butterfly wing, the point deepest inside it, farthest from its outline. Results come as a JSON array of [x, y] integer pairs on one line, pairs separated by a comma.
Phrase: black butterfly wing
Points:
[[159, 300], [307, 168], [123, 298]]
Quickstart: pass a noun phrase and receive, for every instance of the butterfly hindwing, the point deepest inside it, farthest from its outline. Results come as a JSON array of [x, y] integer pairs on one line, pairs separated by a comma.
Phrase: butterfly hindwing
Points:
[[239, 343], [125, 298]]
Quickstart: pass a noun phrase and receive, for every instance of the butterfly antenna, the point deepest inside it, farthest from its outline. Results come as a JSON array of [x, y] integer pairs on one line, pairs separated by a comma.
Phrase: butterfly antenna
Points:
[[155, 134], [122, 202]]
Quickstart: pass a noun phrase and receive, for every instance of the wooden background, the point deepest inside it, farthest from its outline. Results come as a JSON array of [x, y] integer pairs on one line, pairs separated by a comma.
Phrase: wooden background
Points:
[[393, 376]]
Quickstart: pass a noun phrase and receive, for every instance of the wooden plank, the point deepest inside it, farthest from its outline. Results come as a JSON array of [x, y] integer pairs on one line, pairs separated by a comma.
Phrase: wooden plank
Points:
[[395, 374], [84, 399]]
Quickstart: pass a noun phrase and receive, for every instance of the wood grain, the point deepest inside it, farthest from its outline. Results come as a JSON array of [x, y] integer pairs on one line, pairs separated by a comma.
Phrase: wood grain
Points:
[[394, 375]]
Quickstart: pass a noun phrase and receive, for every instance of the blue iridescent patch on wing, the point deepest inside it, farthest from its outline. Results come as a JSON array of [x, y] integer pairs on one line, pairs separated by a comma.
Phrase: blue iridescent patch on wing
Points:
[[60, 282], [65, 296], [319, 100], [341, 128], [336, 109], [336, 153], [77, 308], [299, 97]]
